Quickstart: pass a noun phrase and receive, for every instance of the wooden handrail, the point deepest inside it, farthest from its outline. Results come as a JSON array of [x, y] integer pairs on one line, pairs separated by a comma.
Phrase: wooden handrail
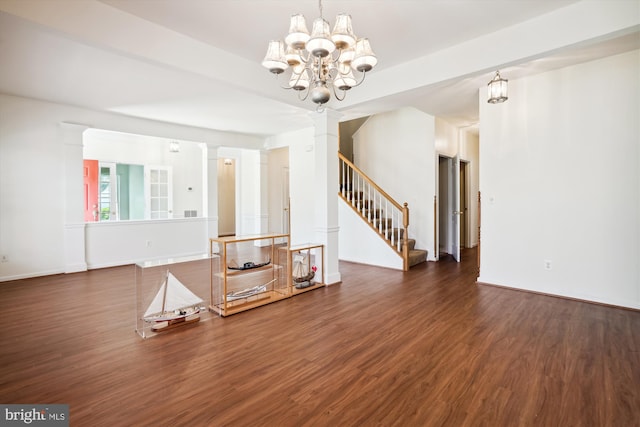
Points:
[[394, 240], [370, 181]]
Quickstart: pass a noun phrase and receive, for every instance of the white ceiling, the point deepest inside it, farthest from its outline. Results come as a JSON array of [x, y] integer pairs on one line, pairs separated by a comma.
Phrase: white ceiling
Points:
[[197, 62]]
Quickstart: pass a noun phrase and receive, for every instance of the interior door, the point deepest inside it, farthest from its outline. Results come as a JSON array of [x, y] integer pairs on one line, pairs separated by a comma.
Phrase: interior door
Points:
[[90, 178], [286, 219], [455, 220]]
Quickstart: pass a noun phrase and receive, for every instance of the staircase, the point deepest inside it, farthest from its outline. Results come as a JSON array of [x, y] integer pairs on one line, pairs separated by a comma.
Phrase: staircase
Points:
[[383, 214]]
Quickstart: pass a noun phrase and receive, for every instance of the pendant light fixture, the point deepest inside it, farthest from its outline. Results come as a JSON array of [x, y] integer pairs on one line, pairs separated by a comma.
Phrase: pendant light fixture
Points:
[[497, 89]]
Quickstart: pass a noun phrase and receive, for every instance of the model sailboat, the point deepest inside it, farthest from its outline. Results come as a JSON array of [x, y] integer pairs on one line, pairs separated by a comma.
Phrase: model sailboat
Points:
[[302, 274], [174, 305]]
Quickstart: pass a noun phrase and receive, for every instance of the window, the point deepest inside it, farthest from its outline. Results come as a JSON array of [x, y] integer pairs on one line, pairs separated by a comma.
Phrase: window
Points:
[[107, 192], [137, 177], [128, 192], [159, 190]]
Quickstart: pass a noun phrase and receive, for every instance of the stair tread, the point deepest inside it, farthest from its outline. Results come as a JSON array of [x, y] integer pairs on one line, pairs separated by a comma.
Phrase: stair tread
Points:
[[417, 256]]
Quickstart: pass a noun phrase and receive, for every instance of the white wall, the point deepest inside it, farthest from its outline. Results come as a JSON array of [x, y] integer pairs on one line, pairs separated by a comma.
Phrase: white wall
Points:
[[560, 182], [35, 154], [396, 150], [126, 242], [301, 176], [358, 243]]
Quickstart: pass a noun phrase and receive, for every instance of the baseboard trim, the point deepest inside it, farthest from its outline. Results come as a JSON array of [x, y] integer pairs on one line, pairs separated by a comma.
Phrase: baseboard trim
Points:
[[604, 304]]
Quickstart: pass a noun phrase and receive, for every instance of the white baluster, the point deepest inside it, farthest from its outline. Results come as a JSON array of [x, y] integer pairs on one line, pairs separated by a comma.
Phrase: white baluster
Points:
[[344, 178]]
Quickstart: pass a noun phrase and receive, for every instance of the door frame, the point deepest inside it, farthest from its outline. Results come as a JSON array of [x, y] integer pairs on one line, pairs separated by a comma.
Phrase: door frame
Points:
[[450, 208]]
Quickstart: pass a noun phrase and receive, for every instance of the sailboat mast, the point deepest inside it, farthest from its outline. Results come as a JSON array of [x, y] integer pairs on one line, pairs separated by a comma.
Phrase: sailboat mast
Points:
[[164, 295]]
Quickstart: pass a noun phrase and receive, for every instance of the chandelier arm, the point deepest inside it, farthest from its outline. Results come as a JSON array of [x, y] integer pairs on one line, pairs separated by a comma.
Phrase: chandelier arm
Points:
[[306, 94], [283, 87], [304, 61], [340, 54], [344, 93], [297, 79], [364, 73]]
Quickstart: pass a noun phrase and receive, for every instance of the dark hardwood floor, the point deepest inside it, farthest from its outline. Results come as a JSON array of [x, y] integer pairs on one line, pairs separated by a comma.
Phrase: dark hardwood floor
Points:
[[427, 347]]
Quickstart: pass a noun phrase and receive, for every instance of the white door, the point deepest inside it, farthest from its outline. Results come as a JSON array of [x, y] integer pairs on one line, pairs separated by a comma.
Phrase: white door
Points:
[[159, 192], [455, 220], [285, 201]]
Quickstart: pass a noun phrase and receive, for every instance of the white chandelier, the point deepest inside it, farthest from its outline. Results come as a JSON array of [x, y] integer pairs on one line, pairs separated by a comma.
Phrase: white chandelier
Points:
[[323, 62]]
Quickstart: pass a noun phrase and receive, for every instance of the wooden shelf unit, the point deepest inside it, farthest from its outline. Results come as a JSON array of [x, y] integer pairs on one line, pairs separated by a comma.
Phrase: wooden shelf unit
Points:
[[233, 291], [313, 257], [260, 285]]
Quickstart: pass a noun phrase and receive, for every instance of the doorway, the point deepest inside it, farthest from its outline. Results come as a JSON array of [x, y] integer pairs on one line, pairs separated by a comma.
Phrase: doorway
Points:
[[464, 206], [444, 208], [452, 207], [226, 197]]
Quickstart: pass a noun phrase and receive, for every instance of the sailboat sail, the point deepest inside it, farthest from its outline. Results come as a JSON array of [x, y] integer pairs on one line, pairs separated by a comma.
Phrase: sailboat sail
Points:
[[300, 268], [177, 297], [301, 274]]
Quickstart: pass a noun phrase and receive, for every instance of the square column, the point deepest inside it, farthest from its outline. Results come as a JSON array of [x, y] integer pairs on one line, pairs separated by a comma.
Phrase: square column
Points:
[[326, 190], [74, 225], [211, 186]]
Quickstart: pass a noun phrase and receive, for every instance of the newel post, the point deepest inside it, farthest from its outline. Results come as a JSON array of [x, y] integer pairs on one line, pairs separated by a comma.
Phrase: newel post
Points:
[[405, 246]]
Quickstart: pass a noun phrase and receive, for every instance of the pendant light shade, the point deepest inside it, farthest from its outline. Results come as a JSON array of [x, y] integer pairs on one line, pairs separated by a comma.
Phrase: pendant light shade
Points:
[[298, 33], [320, 43], [275, 60], [342, 34], [364, 59]]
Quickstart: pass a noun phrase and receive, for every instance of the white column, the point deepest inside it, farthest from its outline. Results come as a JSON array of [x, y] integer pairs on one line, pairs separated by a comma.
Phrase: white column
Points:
[[74, 225], [326, 189], [212, 191], [263, 211]]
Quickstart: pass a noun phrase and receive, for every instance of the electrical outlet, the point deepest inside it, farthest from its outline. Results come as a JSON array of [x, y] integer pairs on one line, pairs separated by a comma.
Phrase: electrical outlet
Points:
[[5, 258], [547, 264]]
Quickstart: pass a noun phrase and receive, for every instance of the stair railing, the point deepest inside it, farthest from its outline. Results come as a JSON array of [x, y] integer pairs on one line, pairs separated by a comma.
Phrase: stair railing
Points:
[[388, 217]]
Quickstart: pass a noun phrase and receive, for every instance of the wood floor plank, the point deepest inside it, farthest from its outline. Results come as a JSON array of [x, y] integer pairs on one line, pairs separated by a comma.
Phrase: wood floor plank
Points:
[[427, 347]]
